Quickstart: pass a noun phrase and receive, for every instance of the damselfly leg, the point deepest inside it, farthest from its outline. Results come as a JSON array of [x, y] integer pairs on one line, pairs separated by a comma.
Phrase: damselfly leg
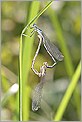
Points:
[[36, 54]]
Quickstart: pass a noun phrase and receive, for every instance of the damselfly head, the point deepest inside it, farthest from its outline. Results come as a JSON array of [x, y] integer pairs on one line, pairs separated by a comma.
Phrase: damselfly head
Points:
[[34, 26]]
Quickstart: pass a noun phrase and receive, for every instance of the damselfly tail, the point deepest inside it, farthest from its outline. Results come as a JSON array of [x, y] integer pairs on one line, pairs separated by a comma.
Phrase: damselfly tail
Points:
[[36, 96]]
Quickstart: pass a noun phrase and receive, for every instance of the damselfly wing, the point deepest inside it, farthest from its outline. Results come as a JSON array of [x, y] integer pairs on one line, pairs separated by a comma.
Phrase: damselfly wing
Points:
[[52, 50]]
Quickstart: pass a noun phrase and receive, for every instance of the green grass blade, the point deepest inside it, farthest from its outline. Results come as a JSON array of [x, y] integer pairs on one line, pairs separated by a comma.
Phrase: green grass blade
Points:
[[24, 92], [68, 94], [24, 54], [20, 80], [61, 40], [28, 42]]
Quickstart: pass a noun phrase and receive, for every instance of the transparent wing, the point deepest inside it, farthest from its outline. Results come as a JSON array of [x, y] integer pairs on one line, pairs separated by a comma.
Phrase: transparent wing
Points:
[[36, 96], [52, 49]]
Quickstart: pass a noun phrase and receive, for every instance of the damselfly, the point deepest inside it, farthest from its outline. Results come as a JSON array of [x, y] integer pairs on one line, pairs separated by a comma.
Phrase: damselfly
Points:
[[54, 53], [52, 50]]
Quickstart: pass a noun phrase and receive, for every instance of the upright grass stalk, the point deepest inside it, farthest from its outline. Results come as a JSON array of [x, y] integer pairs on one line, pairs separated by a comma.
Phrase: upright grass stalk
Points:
[[62, 42], [20, 81], [68, 94], [24, 62]]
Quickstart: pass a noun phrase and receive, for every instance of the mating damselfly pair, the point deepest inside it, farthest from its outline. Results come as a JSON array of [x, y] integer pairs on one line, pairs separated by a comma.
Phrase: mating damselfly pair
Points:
[[56, 56]]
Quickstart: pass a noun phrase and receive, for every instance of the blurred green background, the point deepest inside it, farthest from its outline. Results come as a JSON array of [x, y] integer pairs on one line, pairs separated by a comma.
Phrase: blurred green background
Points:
[[61, 21]]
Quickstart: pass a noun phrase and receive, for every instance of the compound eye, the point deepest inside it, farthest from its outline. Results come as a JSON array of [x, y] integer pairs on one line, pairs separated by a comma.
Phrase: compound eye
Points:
[[34, 25]]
